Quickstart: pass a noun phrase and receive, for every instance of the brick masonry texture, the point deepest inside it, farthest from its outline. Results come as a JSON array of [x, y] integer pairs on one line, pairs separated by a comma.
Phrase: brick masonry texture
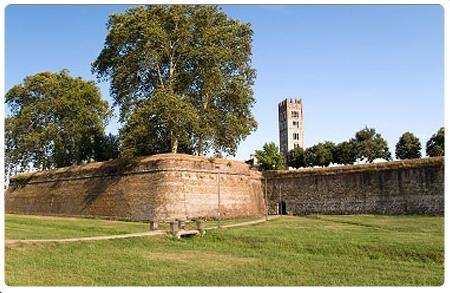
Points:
[[167, 187], [401, 187], [161, 187]]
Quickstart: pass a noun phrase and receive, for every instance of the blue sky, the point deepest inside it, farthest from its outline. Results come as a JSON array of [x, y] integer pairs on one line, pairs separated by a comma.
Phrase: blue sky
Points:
[[374, 65]]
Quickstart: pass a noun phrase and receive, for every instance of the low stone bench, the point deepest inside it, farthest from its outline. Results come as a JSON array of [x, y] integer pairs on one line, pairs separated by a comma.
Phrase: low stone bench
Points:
[[153, 225], [177, 229], [186, 233], [200, 227], [181, 224]]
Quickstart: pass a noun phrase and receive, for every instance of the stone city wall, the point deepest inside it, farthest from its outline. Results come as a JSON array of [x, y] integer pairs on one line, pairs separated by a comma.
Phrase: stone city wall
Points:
[[168, 186], [401, 187], [160, 187]]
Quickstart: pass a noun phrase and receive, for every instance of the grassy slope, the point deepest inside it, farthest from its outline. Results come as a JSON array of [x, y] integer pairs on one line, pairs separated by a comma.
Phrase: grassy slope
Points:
[[316, 250], [47, 227], [40, 227]]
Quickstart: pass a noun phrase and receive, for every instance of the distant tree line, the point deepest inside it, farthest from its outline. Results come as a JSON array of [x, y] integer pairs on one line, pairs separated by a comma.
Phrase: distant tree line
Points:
[[367, 145]]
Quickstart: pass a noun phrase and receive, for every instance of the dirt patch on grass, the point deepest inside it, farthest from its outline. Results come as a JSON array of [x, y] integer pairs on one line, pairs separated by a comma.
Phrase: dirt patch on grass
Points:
[[23, 247], [16, 247], [207, 260], [338, 227]]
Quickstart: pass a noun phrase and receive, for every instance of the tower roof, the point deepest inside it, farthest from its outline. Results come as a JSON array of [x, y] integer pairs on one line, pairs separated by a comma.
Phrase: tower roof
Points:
[[290, 101]]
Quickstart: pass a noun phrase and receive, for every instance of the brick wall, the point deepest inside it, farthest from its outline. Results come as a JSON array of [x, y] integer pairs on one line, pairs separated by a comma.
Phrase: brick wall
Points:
[[162, 187], [168, 186], [402, 187]]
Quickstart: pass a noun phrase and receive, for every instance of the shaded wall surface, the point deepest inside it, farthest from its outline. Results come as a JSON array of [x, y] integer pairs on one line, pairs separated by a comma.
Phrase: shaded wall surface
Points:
[[402, 187], [160, 187]]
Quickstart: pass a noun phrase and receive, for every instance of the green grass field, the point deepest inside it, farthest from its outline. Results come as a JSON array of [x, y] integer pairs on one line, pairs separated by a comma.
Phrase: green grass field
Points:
[[313, 251], [46, 227], [43, 227]]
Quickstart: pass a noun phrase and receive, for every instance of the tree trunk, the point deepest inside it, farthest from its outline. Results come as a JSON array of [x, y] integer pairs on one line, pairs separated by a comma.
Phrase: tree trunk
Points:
[[173, 143], [42, 161], [200, 139], [200, 146]]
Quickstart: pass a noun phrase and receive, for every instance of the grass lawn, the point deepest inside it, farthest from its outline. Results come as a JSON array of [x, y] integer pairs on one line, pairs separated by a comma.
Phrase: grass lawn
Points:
[[313, 250], [44, 227], [47, 227]]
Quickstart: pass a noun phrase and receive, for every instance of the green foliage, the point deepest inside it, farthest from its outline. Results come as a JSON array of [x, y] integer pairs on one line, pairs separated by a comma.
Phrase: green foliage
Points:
[[408, 147], [269, 158], [345, 153], [367, 144], [320, 154], [296, 158], [54, 120], [135, 138], [182, 77], [370, 145], [435, 145], [106, 147]]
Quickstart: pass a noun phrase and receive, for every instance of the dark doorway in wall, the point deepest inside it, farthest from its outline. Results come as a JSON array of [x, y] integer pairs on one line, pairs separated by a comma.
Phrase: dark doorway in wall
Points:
[[282, 208]]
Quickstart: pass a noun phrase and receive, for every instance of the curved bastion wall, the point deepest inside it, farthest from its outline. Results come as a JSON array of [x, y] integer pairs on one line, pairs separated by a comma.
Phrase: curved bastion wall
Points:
[[394, 188], [160, 187], [175, 186]]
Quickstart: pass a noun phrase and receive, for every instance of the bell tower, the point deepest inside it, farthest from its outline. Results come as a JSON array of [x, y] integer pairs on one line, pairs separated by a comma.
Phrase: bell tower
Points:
[[290, 125]]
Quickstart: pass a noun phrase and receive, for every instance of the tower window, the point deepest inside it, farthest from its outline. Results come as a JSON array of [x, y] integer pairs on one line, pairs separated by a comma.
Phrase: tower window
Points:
[[294, 114], [296, 136]]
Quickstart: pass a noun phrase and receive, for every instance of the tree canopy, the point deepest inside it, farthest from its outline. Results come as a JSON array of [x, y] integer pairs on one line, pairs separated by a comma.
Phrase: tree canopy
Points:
[[435, 145], [182, 75], [296, 158], [269, 158], [408, 147], [366, 145], [371, 145], [320, 154], [106, 147], [345, 152], [54, 122]]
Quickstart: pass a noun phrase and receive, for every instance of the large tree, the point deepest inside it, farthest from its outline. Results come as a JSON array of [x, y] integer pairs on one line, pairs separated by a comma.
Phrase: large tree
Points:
[[296, 158], [185, 72], [408, 147], [320, 154], [435, 145], [54, 121], [371, 145], [269, 158], [345, 153]]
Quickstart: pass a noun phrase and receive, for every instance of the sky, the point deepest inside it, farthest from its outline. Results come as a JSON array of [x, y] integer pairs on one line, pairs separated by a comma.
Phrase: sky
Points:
[[380, 66]]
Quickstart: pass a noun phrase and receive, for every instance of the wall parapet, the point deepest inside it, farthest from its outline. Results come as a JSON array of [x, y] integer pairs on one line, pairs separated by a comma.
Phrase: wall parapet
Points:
[[402, 164], [145, 164]]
